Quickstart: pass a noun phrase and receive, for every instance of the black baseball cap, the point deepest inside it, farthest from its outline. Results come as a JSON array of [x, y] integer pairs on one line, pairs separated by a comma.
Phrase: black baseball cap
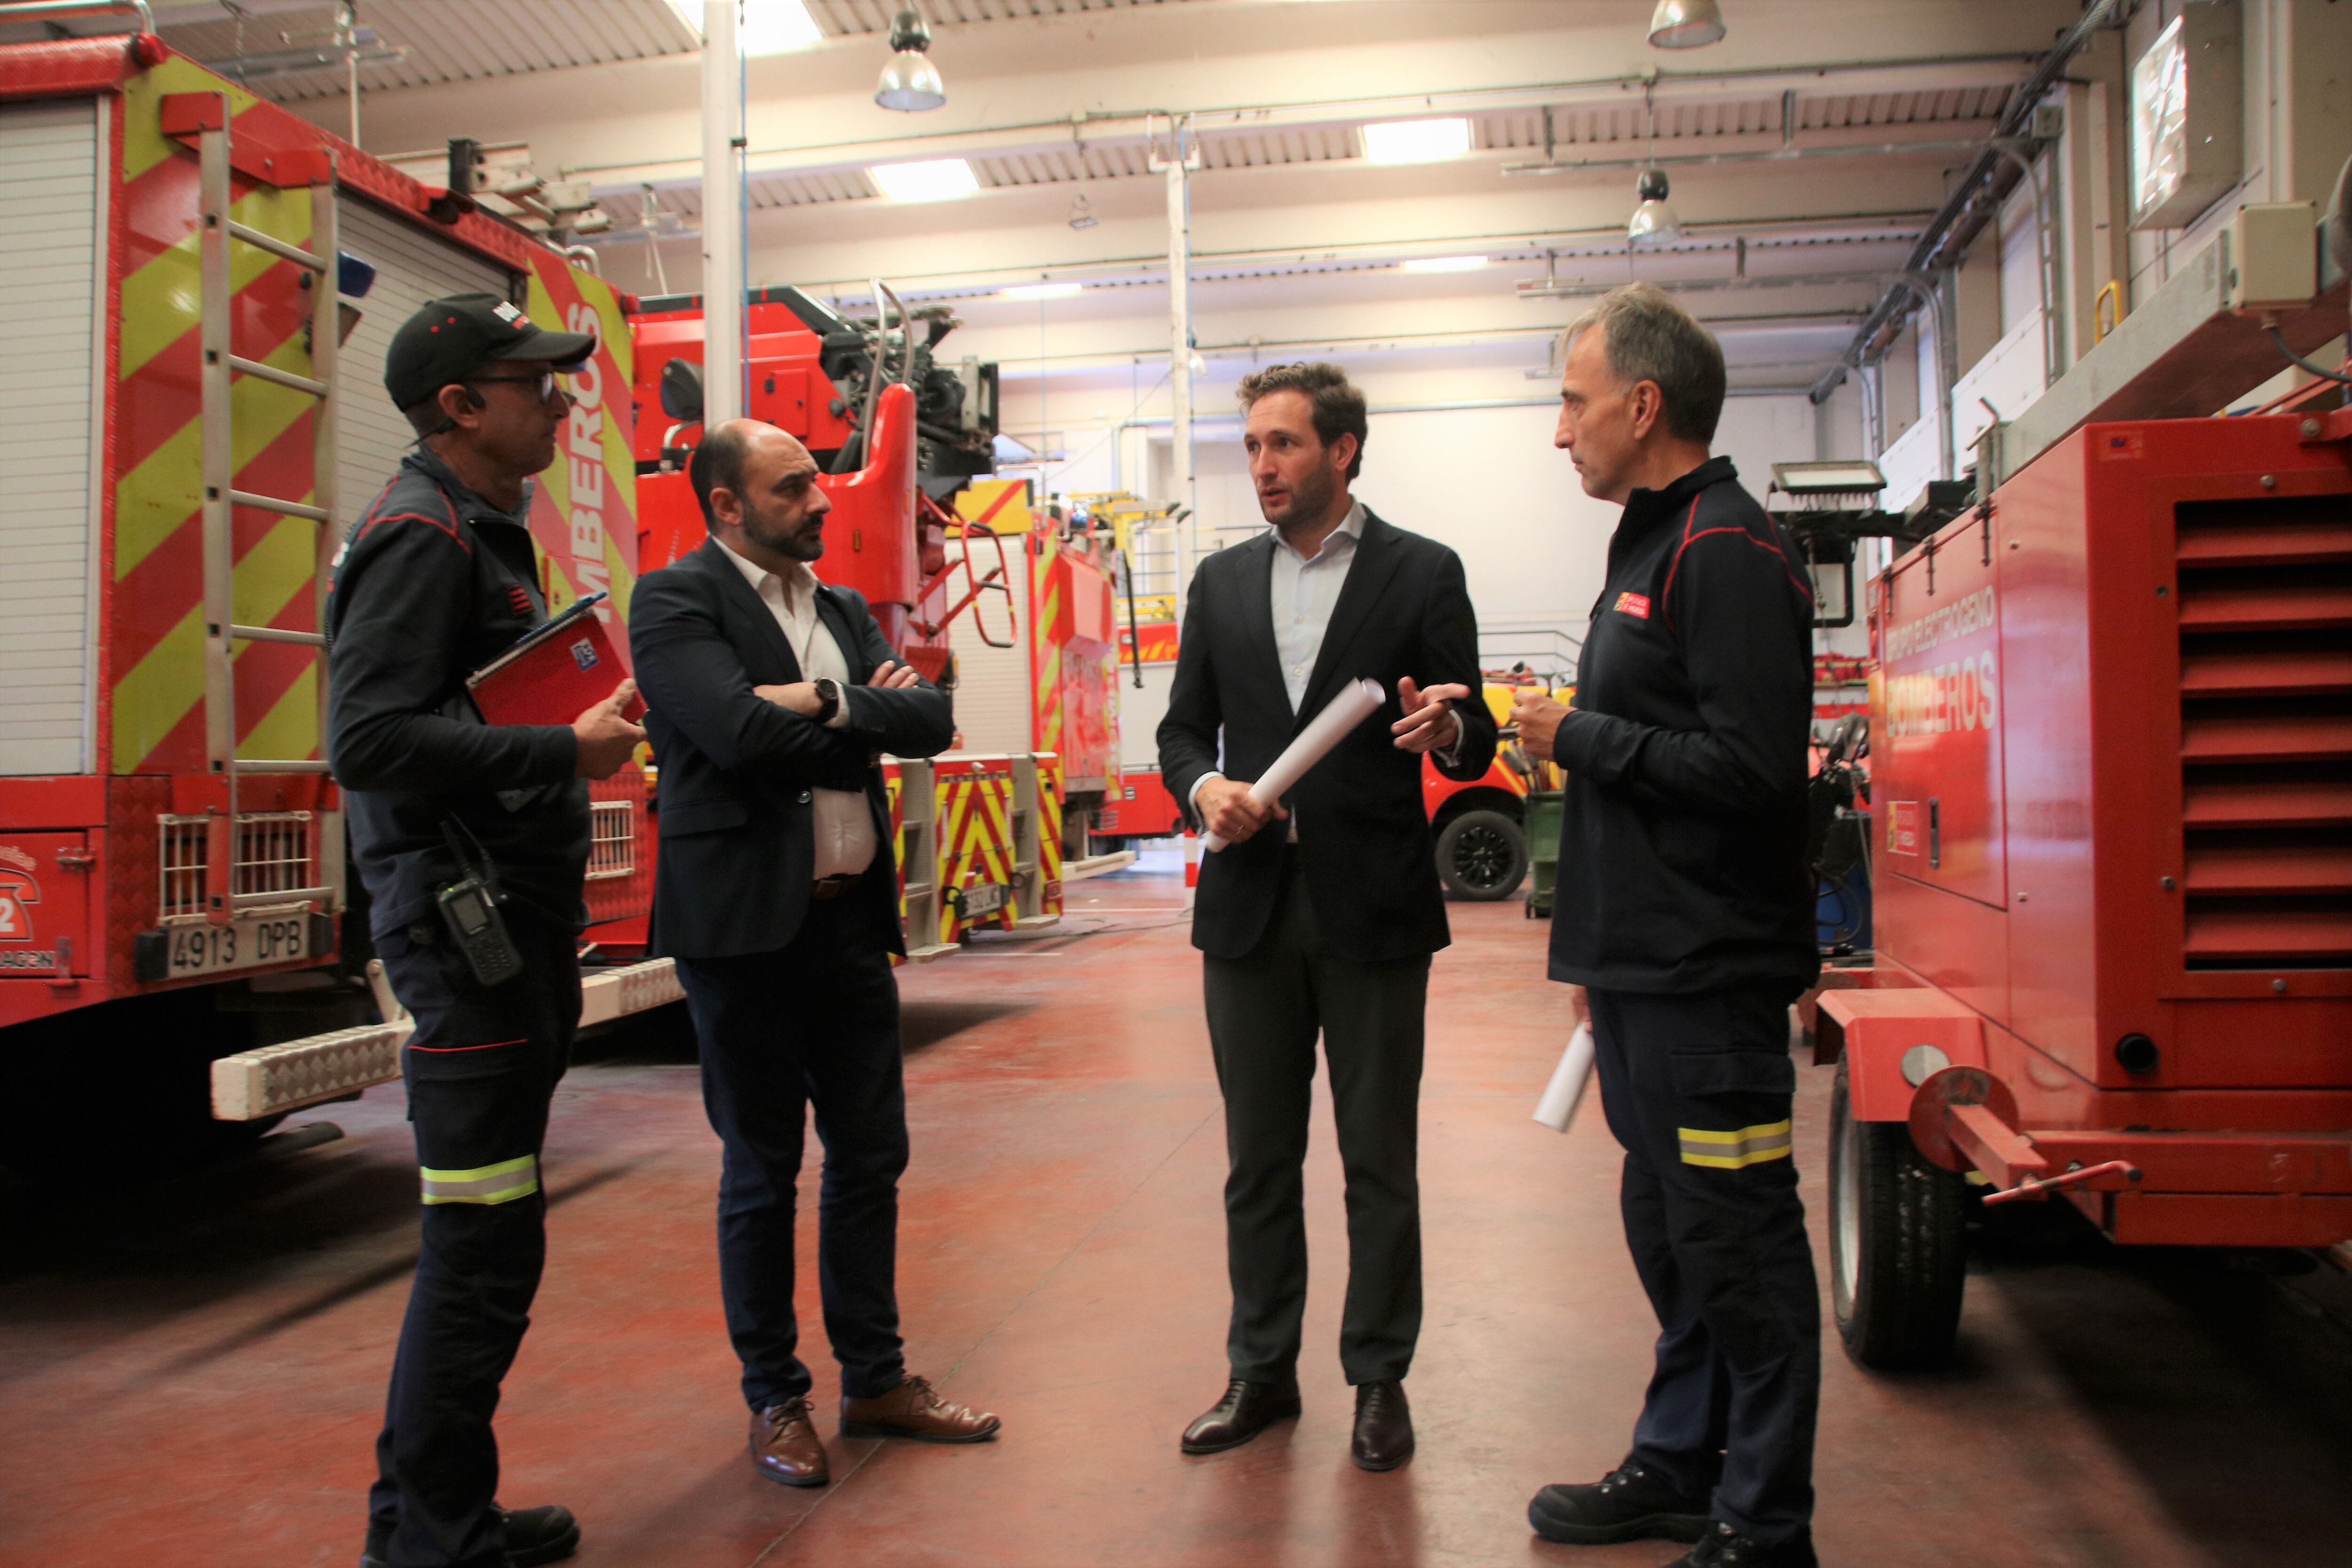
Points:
[[454, 336]]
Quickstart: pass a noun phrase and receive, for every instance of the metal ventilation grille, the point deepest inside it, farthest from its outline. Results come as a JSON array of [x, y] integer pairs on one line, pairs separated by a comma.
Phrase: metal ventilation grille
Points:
[[272, 855], [612, 839], [2267, 732]]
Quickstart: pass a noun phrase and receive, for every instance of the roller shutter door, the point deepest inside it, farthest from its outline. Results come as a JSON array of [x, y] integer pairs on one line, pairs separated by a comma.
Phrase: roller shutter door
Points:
[[411, 266], [993, 703], [50, 225]]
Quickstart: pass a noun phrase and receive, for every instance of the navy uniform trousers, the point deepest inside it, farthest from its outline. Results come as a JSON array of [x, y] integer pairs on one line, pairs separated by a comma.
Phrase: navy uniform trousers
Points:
[[815, 1021], [480, 1069], [1698, 1088]]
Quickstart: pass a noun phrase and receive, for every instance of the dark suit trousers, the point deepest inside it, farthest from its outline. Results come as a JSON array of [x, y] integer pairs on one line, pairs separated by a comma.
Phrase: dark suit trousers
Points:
[[814, 1022], [1264, 1012]]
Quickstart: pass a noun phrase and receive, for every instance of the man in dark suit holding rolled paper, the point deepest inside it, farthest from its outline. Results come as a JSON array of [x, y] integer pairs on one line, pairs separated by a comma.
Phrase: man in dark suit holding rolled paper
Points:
[[1320, 913]]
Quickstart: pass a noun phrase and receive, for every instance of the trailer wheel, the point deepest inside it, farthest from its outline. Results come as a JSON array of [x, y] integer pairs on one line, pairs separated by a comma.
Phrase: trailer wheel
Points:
[[1482, 855], [1897, 1246]]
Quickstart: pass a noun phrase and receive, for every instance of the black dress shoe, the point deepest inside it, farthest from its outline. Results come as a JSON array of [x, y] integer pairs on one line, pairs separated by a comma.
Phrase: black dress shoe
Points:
[[1383, 1438], [1247, 1409], [1629, 1503], [534, 1536], [1724, 1547]]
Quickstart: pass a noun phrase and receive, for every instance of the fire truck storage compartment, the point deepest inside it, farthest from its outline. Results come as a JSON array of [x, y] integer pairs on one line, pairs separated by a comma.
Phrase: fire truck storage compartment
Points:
[[410, 267], [50, 228], [994, 703]]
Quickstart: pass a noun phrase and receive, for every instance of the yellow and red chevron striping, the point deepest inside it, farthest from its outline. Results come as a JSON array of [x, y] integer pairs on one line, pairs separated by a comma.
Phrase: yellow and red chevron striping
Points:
[[156, 631]]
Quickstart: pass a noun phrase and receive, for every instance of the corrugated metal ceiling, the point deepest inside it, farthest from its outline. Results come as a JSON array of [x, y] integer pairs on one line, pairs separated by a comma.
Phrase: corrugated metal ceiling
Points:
[[443, 41], [511, 37]]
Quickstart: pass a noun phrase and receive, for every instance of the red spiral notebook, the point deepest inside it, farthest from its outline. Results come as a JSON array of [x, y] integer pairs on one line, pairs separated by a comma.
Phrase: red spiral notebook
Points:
[[553, 673]]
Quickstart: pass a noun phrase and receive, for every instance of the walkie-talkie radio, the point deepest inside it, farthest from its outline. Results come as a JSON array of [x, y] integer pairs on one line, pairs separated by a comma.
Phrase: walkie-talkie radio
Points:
[[469, 909]]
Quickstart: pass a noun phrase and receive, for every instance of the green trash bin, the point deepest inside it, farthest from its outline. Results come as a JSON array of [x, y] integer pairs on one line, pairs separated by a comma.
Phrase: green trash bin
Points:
[[1543, 850]]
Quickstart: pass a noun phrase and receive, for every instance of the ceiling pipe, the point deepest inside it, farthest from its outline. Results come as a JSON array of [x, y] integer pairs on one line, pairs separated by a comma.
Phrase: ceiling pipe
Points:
[[1782, 155], [1528, 95], [1972, 204], [1607, 239]]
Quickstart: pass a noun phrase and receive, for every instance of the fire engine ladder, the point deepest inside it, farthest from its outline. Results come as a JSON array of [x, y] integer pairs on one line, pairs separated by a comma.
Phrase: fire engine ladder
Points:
[[221, 364]]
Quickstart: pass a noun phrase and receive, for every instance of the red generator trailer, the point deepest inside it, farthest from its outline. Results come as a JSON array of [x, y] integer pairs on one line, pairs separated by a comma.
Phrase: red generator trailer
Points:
[[2111, 731]]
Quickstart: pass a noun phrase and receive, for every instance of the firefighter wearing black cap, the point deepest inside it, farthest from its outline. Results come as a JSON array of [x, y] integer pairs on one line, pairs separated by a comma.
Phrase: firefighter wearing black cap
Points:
[[1684, 918], [433, 582]]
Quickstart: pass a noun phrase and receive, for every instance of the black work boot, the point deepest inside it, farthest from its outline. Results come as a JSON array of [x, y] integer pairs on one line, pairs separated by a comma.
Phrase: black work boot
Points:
[[1724, 1547], [1630, 1503]]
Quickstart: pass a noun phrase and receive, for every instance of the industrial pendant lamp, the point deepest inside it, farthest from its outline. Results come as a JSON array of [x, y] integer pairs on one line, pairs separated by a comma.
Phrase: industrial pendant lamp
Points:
[[909, 81], [1686, 25], [1653, 220]]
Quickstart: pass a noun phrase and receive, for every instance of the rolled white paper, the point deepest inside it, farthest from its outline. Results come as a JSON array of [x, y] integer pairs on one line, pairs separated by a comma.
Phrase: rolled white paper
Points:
[[1358, 700], [1562, 1096]]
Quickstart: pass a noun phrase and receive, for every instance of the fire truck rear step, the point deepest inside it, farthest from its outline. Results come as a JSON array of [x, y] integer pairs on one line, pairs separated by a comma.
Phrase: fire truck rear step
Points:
[[273, 1079]]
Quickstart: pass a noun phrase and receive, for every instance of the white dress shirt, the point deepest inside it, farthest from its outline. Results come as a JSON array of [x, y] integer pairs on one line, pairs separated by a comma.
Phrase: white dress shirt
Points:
[[1305, 590], [844, 822]]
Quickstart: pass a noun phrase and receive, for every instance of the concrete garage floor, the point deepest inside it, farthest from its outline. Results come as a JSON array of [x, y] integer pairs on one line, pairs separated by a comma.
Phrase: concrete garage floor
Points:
[[191, 1372]]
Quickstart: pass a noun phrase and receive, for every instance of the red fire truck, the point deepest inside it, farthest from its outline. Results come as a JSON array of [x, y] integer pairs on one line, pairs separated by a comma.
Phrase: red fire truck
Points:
[[202, 290], [202, 287]]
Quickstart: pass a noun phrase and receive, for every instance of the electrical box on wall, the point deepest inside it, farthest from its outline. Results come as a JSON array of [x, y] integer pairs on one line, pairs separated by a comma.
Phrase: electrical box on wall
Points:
[[2274, 255], [2188, 97]]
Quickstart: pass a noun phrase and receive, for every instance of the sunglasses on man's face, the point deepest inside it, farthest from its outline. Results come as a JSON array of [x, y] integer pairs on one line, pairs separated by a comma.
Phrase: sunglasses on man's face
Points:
[[544, 382]]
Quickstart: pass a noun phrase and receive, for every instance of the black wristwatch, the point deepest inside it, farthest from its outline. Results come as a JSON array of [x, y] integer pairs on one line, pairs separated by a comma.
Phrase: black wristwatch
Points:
[[828, 700]]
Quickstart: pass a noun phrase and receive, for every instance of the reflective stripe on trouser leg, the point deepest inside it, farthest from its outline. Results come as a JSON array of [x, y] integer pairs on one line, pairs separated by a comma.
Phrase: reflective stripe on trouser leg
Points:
[[1736, 1150], [502, 1183]]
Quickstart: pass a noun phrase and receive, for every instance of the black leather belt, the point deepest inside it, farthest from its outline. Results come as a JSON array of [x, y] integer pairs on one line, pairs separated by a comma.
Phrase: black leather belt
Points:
[[832, 887]]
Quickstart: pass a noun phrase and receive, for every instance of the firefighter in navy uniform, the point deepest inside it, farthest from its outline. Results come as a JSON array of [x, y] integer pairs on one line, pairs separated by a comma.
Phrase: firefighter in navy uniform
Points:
[[1684, 919], [436, 579]]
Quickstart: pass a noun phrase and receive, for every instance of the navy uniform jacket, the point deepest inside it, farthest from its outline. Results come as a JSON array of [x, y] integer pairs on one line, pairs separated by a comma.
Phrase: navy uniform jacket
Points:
[[738, 836], [1682, 833], [433, 582], [1363, 829]]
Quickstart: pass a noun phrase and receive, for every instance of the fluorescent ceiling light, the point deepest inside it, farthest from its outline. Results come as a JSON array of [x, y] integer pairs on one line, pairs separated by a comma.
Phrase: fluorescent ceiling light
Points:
[[766, 27], [933, 180], [1041, 292], [1446, 264], [1416, 140]]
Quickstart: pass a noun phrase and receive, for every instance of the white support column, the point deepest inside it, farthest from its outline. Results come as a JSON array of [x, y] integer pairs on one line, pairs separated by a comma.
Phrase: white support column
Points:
[[722, 213]]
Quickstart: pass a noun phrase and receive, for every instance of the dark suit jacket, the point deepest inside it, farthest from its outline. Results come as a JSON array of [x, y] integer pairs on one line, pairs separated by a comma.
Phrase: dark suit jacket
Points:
[[1370, 863], [738, 844]]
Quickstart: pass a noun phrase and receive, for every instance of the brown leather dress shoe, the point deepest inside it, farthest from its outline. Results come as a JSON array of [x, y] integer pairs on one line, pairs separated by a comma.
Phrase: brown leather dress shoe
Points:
[[1383, 1438], [914, 1409], [1247, 1409], [785, 1445]]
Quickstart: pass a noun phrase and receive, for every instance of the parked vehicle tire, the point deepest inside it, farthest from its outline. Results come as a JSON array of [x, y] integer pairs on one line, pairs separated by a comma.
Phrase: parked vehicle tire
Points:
[[1897, 1242], [1482, 855]]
